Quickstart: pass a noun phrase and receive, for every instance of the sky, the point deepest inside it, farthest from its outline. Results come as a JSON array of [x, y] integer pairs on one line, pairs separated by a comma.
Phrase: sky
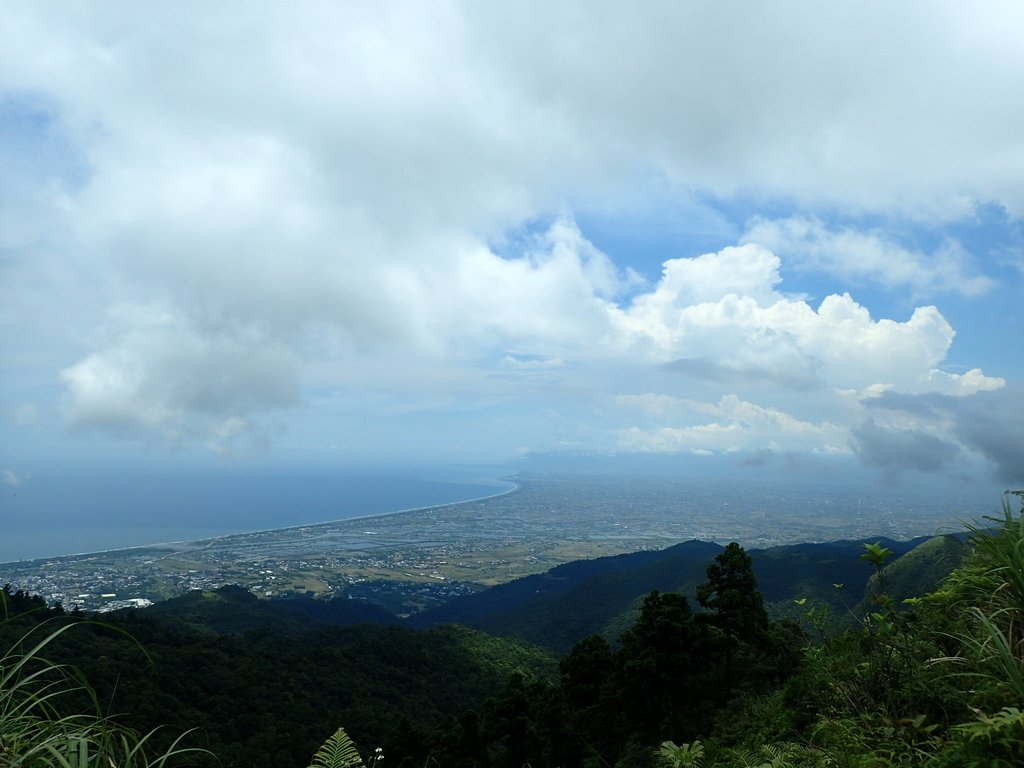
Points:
[[261, 235]]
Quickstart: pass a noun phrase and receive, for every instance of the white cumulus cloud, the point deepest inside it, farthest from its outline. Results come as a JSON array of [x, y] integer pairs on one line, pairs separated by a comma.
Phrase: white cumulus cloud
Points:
[[724, 309]]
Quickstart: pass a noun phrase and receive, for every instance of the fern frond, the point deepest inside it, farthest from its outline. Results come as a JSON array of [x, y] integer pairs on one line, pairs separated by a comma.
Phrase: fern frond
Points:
[[990, 726], [337, 752], [672, 755]]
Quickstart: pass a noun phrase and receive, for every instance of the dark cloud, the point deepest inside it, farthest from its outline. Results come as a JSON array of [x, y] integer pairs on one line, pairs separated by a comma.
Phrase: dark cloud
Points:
[[756, 458], [801, 376], [993, 423], [918, 405], [895, 450]]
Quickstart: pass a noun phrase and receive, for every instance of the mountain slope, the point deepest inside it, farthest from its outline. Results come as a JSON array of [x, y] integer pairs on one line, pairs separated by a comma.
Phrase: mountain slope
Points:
[[233, 610], [558, 608], [918, 571], [264, 697]]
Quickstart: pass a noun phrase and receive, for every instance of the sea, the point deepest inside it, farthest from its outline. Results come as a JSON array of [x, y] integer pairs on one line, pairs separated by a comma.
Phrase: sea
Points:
[[66, 513]]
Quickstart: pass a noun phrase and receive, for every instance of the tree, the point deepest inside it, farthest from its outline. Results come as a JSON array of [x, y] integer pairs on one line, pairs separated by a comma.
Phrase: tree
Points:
[[661, 669], [591, 695], [731, 594]]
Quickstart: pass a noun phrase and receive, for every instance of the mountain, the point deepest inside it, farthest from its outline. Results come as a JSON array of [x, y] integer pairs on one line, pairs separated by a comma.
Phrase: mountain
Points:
[[257, 691], [558, 608], [916, 572], [267, 681], [233, 610]]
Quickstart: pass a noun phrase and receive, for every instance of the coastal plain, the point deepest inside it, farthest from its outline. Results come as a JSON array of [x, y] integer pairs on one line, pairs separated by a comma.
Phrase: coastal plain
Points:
[[412, 560]]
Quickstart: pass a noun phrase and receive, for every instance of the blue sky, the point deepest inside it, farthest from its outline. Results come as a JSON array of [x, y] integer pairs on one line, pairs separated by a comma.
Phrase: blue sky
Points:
[[257, 235]]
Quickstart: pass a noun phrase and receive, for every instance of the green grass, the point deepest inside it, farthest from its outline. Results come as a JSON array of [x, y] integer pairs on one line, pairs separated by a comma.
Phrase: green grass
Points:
[[41, 725]]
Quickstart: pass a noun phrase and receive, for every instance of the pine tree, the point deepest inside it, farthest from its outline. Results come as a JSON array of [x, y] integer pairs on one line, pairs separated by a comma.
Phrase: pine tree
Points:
[[730, 593]]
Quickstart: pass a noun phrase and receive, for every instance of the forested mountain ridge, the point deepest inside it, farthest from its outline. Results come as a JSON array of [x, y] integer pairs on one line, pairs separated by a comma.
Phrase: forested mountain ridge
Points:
[[264, 696], [936, 680], [233, 610], [558, 608], [266, 681]]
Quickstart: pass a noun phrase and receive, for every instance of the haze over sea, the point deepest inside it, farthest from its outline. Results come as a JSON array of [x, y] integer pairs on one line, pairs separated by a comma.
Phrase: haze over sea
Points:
[[142, 508]]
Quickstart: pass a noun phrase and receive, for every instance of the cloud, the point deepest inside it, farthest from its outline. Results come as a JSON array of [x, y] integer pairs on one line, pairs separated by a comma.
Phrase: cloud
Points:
[[895, 450], [784, 365], [736, 425], [301, 210], [528, 363], [196, 371], [549, 302], [164, 379], [758, 458], [917, 405], [988, 424], [498, 114], [657, 405], [858, 255], [992, 423], [42, 167], [721, 312], [183, 367], [705, 92]]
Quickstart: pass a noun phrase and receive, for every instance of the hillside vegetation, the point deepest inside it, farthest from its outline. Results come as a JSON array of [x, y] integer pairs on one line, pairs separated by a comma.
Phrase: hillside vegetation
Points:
[[602, 596], [264, 696], [935, 680], [879, 669]]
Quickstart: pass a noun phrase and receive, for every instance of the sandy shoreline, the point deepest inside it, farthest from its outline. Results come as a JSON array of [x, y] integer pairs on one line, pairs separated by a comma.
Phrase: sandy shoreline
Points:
[[183, 543]]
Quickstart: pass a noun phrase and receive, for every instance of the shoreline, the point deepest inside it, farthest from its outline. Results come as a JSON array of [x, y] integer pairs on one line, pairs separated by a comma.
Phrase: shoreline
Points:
[[408, 510], [181, 543]]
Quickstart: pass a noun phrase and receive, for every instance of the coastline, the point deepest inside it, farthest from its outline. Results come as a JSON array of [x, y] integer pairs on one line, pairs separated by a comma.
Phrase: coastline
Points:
[[179, 544], [410, 510]]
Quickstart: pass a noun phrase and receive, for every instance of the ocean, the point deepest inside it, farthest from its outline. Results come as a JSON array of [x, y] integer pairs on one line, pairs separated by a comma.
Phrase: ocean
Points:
[[68, 513]]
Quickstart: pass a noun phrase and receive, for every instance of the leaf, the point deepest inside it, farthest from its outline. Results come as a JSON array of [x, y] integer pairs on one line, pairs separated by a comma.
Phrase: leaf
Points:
[[672, 755], [876, 554], [988, 726], [337, 752]]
